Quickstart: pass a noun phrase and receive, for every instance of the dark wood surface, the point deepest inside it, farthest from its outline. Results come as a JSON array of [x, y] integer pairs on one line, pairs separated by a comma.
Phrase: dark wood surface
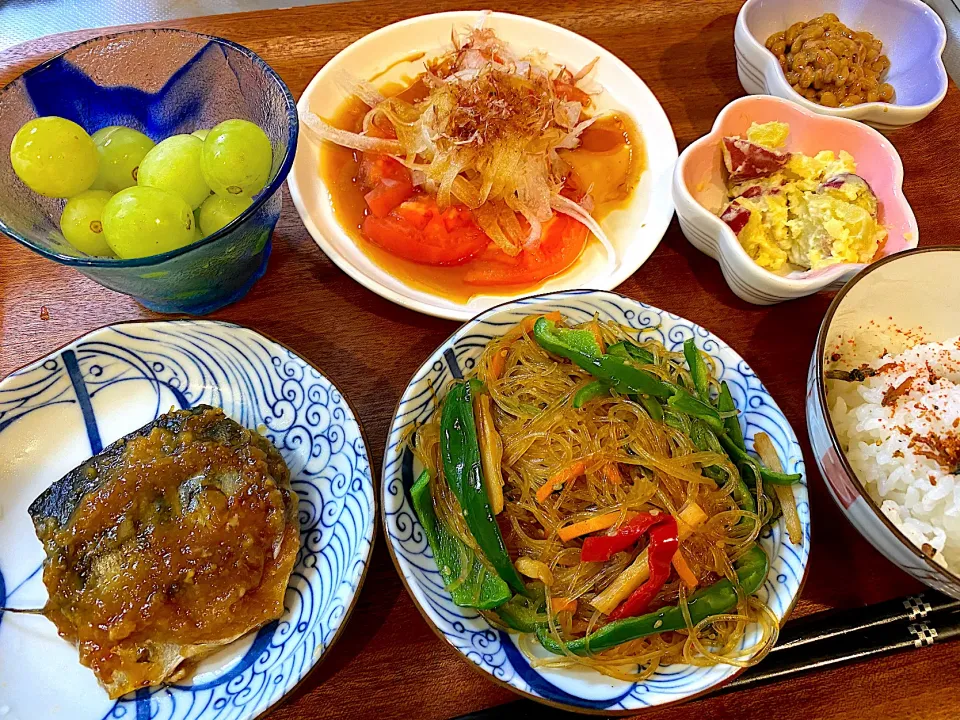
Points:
[[387, 663]]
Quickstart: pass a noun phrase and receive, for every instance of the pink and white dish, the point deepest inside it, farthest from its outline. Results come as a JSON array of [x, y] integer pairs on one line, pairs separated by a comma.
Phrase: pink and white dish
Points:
[[700, 192], [913, 38]]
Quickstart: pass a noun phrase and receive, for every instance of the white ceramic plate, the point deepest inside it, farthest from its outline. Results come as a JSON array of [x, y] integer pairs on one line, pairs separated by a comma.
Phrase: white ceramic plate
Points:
[[58, 411], [635, 229]]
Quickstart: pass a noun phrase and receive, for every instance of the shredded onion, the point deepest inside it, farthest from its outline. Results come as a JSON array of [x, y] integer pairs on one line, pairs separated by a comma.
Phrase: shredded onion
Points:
[[355, 141], [362, 89], [569, 207], [485, 135], [572, 140]]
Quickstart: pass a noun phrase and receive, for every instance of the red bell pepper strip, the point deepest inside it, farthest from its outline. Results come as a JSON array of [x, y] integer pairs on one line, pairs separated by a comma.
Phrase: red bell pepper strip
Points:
[[601, 548], [663, 544]]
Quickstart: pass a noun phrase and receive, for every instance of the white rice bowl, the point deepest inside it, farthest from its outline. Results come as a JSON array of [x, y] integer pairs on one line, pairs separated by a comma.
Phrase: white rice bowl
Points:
[[902, 438]]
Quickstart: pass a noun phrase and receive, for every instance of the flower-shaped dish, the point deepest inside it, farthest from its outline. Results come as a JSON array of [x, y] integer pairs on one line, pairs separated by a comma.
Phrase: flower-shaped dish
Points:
[[699, 192]]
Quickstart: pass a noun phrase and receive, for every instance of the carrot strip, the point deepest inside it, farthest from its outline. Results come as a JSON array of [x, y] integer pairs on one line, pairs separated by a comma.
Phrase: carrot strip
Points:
[[683, 570], [525, 326], [496, 366], [594, 328], [585, 527], [559, 605], [611, 473], [557, 481]]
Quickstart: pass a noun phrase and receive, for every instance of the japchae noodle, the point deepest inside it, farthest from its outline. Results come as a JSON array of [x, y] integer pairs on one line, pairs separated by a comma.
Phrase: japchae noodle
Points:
[[607, 461]]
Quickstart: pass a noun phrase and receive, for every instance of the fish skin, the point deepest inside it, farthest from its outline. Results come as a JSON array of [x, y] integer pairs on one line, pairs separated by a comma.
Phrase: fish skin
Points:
[[60, 500], [54, 509]]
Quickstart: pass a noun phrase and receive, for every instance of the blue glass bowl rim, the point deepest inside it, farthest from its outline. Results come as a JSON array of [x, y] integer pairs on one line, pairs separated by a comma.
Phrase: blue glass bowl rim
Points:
[[293, 123]]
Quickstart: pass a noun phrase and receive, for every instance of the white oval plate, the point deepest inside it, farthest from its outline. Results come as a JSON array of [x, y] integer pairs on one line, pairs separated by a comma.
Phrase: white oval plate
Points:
[[635, 230], [498, 653], [61, 409]]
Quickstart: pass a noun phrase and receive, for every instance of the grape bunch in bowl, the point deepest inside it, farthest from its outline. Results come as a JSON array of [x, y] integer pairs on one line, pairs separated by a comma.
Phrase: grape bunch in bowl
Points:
[[149, 161], [129, 197]]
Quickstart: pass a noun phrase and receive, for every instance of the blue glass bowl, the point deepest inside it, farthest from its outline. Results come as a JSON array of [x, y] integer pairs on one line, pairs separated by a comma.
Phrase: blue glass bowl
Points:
[[161, 82]]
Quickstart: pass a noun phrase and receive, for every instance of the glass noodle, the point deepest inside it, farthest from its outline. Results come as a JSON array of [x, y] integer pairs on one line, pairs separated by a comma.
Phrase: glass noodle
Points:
[[632, 463]]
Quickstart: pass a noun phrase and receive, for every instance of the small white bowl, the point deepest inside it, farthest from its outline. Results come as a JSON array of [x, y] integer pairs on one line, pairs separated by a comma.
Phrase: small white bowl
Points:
[[914, 295], [913, 38], [699, 192], [635, 229]]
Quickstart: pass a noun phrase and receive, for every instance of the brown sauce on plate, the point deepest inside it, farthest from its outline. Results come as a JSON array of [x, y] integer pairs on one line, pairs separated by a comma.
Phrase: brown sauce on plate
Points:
[[610, 161], [188, 542]]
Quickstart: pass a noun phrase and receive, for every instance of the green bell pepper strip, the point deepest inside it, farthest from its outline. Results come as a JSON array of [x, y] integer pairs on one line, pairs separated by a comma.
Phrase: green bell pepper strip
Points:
[[705, 440], [481, 588], [460, 454], [731, 423], [678, 421], [653, 408], [719, 598], [582, 341], [682, 401], [626, 349], [698, 369], [615, 370], [525, 613], [590, 391], [766, 474]]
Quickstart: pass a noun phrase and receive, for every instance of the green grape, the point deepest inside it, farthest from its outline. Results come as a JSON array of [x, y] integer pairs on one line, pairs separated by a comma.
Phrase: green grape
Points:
[[121, 151], [174, 165], [81, 224], [144, 221], [202, 134], [54, 157], [237, 158], [197, 234], [218, 211]]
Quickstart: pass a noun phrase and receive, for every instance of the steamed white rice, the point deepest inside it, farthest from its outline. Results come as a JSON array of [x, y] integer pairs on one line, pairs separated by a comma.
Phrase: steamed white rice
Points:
[[901, 433]]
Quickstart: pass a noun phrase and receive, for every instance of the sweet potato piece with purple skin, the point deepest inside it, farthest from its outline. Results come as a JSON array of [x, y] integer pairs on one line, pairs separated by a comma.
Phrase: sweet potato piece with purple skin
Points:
[[745, 160], [736, 217], [838, 181]]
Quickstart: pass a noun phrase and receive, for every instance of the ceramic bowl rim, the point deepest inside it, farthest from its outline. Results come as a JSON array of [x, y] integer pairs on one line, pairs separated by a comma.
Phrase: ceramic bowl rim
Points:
[[462, 313], [428, 619], [728, 240], [821, 390], [374, 525], [867, 111], [293, 125]]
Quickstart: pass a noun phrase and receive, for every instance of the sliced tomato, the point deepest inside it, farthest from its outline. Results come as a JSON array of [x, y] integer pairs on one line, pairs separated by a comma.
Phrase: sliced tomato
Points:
[[375, 168], [386, 195], [561, 244], [417, 230]]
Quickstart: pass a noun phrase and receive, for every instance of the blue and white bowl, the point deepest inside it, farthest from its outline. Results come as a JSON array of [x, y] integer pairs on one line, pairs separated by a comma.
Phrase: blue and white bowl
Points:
[[497, 652], [65, 407]]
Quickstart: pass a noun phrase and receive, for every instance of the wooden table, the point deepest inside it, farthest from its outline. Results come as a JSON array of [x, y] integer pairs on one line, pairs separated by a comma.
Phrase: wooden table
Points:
[[388, 664]]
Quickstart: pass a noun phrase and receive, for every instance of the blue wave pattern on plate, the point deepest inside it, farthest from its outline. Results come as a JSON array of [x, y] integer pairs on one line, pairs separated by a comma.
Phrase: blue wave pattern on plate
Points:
[[261, 385], [497, 653]]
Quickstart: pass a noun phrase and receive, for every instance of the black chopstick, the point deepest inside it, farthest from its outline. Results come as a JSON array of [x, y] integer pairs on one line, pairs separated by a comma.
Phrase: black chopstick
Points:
[[818, 641], [821, 626]]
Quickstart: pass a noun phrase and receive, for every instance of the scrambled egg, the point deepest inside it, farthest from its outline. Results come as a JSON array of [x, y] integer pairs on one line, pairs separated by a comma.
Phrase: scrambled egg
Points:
[[811, 212]]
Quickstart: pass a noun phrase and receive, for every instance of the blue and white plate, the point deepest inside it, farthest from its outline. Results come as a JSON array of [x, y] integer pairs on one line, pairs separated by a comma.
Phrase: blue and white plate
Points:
[[67, 406], [497, 652]]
